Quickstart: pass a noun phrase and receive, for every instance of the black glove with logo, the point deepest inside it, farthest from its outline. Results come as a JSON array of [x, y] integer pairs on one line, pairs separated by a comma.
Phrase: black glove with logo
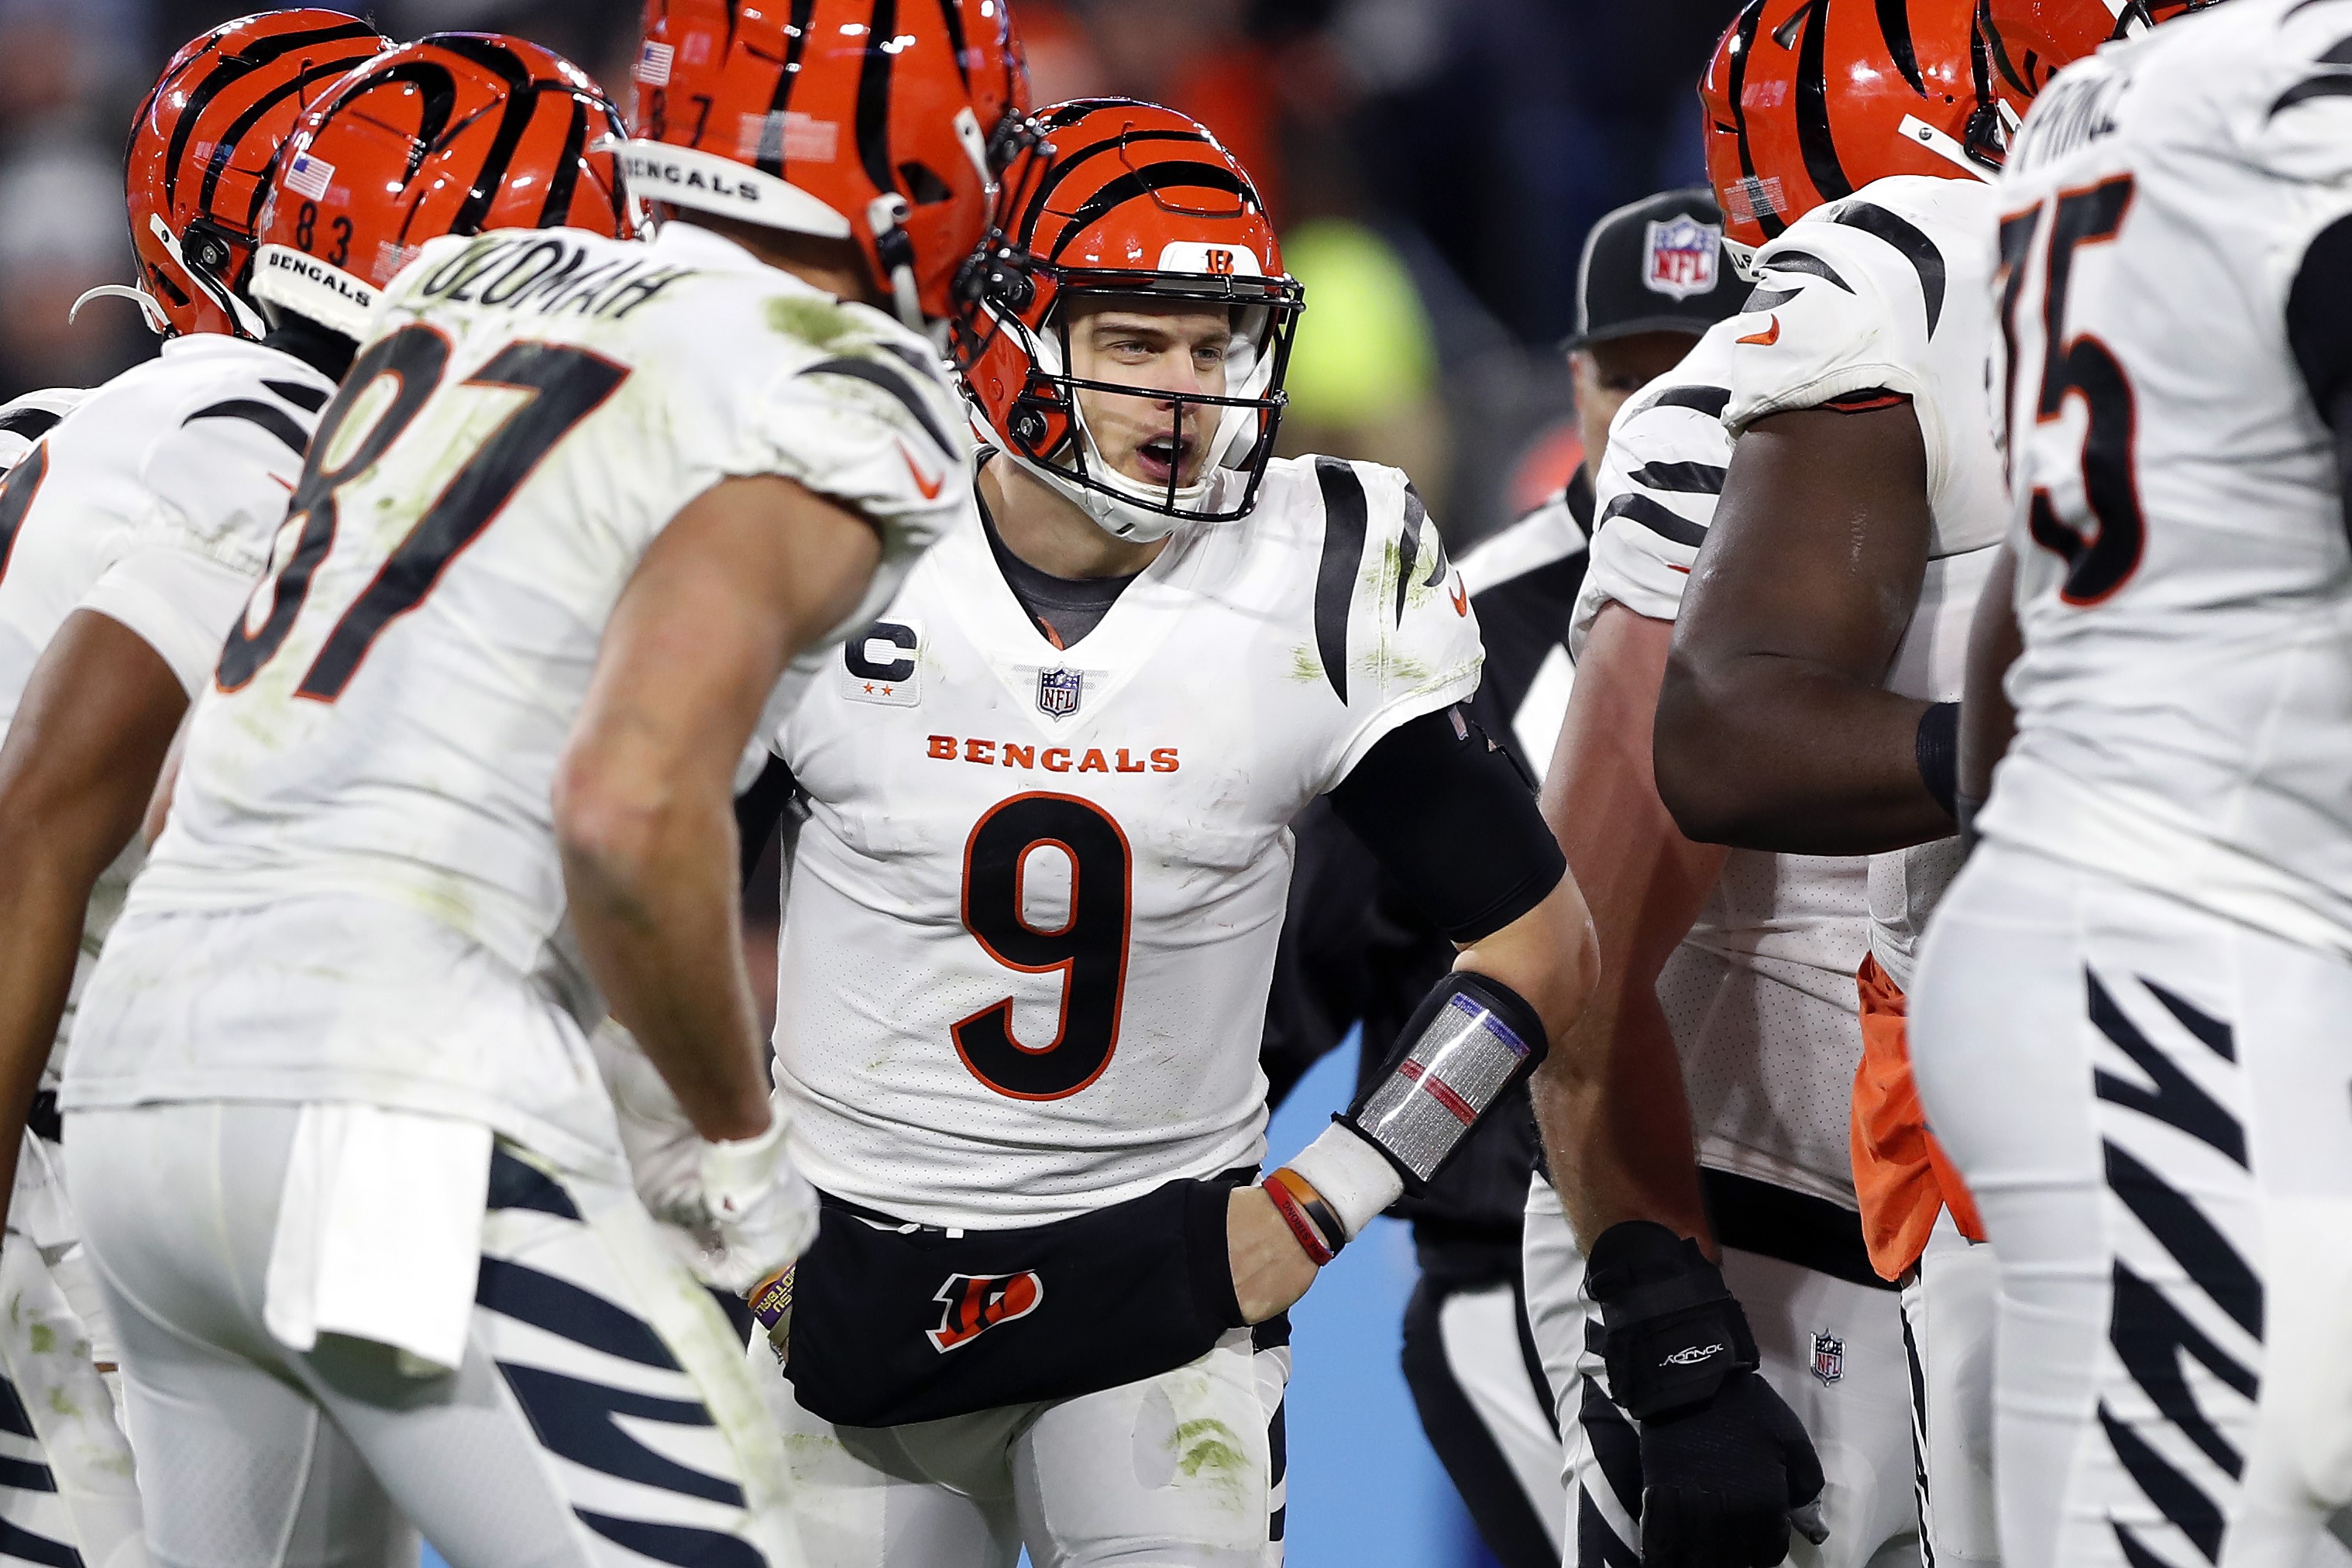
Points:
[[1725, 1463]]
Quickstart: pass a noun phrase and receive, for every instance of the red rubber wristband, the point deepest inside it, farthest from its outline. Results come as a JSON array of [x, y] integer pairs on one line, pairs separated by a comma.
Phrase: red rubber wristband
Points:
[[1292, 1210]]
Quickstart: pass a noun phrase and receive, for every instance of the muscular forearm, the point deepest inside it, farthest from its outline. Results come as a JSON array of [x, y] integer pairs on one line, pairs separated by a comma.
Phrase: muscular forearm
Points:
[[1616, 1125], [1762, 752], [1988, 722], [1610, 1100], [40, 937], [653, 902]]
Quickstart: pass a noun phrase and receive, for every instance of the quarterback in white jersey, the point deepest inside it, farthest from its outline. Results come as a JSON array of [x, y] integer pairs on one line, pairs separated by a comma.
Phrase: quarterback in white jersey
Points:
[[2147, 959], [578, 504], [1033, 912]]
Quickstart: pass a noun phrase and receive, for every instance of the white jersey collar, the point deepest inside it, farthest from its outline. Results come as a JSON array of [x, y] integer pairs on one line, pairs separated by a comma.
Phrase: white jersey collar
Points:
[[687, 243]]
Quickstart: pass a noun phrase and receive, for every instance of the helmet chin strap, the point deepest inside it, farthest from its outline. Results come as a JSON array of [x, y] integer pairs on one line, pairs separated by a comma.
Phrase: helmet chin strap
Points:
[[886, 216], [247, 320]]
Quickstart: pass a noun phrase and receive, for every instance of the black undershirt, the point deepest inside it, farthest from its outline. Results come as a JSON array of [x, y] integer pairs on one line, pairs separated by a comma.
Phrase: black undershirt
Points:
[[1064, 608]]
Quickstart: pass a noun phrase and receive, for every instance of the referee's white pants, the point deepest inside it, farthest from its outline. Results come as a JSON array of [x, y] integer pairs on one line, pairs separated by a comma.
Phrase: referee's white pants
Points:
[[601, 1415], [1858, 1415], [2153, 1108]]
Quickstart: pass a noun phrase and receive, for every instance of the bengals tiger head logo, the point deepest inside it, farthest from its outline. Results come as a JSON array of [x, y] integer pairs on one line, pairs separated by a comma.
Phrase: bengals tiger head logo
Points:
[[979, 1302]]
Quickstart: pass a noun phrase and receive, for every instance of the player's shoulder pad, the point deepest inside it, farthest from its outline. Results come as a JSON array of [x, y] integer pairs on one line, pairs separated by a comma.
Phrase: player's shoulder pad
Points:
[[1391, 613], [222, 446], [1849, 298], [1668, 453], [2281, 75], [25, 420], [850, 355]]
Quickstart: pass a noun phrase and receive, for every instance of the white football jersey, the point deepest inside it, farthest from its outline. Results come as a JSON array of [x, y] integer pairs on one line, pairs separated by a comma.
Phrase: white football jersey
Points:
[[531, 409], [1890, 290], [152, 500], [1760, 996], [2184, 587], [1032, 914]]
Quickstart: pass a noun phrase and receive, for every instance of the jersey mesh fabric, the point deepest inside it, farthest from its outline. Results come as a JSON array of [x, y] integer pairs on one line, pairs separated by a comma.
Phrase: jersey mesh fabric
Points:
[[2181, 702]]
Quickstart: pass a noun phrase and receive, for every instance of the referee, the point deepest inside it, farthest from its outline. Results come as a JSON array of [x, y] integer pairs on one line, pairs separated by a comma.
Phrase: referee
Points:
[[1354, 950]]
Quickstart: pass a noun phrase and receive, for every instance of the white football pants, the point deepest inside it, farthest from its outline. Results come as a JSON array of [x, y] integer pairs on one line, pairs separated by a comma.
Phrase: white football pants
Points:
[[68, 1489], [601, 1415], [2153, 1108], [1181, 1470], [1856, 1409]]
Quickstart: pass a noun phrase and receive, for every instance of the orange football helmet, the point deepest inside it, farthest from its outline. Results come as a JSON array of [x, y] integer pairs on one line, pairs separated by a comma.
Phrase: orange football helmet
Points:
[[455, 134], [2033, 40], [1125, 199], [1807, 102], [201, 150], [858, 120]]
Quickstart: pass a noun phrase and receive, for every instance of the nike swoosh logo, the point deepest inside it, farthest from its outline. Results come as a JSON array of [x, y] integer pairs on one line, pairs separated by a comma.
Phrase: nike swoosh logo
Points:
[[923, 482], [1461, 596], [1768, 337]]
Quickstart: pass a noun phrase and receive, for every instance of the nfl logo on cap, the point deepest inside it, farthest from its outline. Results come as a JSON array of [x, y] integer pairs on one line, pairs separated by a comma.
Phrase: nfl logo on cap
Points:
[[1684, 255], [1058, 691], [1829, 1357]]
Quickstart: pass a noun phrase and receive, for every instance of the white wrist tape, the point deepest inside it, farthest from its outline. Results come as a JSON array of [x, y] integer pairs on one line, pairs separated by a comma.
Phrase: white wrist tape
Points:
[[737, 1173], [1353, 1177]]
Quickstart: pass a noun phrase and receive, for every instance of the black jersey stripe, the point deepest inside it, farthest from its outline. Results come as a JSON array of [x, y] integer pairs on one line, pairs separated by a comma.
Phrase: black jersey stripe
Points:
[[891, 381], [1408, 553], [16, 493], [1763, 298], [310, 399], [1805, 261], [1915, 248], [874, 97], [1710, 401], [267, 416], [1346, 515], [1815, 139], [1657, 519], [31, 424], [1683, 479], [1895, 27], [2335, 84]]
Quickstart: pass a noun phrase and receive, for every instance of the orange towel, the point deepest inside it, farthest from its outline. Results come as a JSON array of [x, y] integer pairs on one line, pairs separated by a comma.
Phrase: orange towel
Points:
[[1901, 1173]]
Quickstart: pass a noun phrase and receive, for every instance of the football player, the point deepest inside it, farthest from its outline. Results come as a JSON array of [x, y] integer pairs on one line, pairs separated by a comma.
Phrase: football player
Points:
[[1354, 949], [1891, 111], [1033, 914], [130, 540], [2126, 1015], [353, 1183]]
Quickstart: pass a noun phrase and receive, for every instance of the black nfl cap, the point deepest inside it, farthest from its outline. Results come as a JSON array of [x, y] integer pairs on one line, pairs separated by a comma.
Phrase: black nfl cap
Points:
[[1656, 266]]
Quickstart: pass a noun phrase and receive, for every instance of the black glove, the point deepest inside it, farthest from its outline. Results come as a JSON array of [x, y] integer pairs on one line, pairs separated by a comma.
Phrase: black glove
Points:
[[1725, 1462]]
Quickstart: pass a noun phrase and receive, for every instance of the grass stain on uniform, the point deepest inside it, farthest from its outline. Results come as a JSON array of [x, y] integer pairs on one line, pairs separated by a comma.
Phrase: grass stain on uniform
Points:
[[1207, 1449], [817, 322], [1305, 667]]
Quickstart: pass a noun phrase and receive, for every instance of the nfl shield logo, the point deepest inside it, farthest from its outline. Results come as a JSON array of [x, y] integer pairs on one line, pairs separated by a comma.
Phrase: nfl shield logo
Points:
[[1058, 691], [1684, 255], [1829, 1357]]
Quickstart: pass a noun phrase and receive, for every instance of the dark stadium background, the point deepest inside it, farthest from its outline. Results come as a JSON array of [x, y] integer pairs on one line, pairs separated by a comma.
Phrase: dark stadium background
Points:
[[1432, 166]]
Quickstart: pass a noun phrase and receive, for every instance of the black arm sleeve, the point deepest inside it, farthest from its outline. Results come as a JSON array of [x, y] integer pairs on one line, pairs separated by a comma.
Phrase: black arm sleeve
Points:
[[759, 809], [1450, 816], [2319, 316], [2319, 329]]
